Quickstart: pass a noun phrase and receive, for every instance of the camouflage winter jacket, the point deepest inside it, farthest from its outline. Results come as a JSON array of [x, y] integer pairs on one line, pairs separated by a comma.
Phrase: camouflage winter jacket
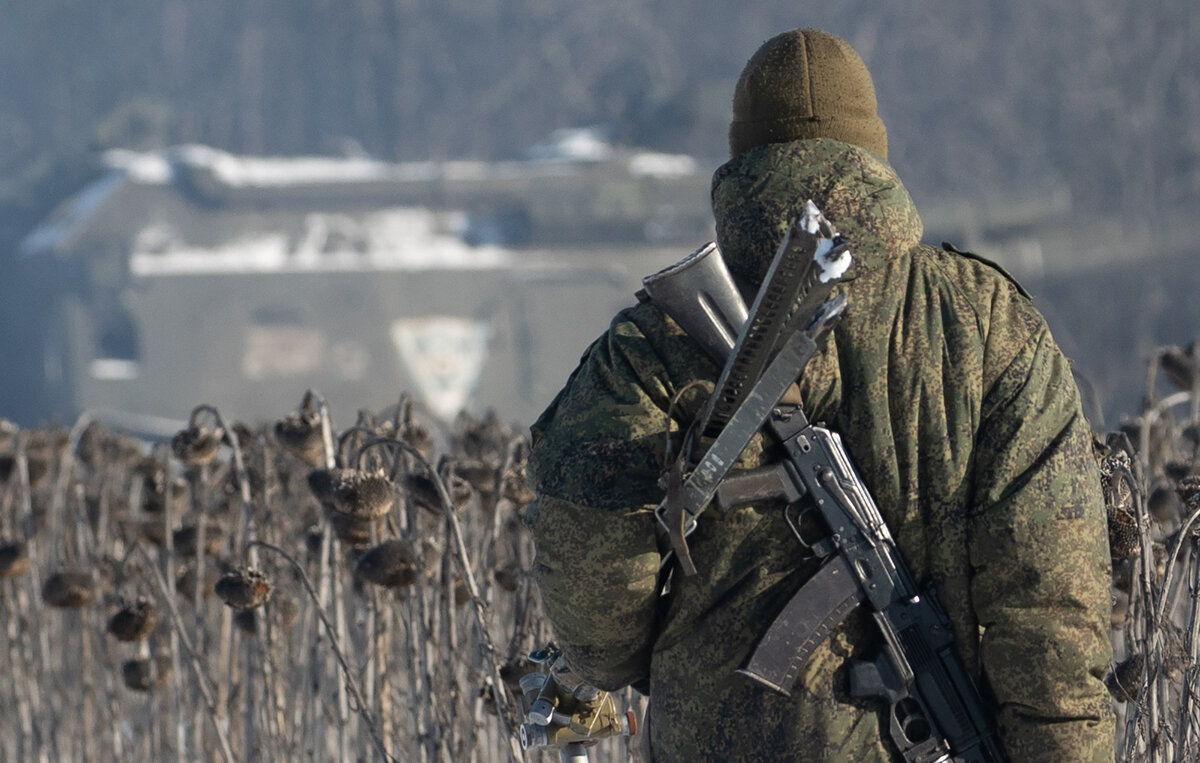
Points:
[[960, 413]]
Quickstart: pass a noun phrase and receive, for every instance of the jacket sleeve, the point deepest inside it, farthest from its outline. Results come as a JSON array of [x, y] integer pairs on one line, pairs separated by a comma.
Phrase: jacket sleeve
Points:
[[1039, 554], [594, 468]]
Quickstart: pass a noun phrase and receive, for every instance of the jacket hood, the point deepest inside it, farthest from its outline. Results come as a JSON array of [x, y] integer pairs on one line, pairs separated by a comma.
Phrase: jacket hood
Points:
[[757, 193]]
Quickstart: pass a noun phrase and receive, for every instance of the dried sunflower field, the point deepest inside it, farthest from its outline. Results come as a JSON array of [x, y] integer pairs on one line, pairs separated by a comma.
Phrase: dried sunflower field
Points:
[[303, 592], [1151, 479], [293, 593]]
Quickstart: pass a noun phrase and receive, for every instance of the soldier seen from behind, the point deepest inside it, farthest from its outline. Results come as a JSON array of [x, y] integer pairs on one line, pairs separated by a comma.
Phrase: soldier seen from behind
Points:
[[956, 406]]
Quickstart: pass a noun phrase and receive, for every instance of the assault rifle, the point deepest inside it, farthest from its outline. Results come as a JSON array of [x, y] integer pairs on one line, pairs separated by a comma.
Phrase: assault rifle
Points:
[[935, 711]]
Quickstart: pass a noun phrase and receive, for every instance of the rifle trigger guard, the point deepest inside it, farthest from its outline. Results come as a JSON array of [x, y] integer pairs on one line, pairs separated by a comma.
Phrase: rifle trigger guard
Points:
[[816, 539]]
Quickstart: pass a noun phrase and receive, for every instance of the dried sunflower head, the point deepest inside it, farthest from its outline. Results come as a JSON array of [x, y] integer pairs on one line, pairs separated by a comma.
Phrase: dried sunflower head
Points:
[[320, 483], [481, 475], [482, 439], [38, 464], [389, 564], [508, 577], [420, 489], [14, 559], [419, 437], [153, 531], [1125, 679], [134, 621], [423, 492], [244, 588], [246, 621], [146, 674], [244, 434], [197, 445], [1179, 365], [281, 611], [360, 494], [515, 489], [406, 427], [1189, 488], [1120, 609], [69, 589], [157, 490], [300, 434], [1164, 503], [1115, 481], [1177, 470], [1124, 540], [186, 538], [462, 594], [353, 531]]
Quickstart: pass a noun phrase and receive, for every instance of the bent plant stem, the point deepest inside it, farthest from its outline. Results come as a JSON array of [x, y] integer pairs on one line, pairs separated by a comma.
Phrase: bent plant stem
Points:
[[244, 535], [1187, 721], [1172, 558], [202, 679], [347, 673], [41, 692], [480, 608], [168, 560], [239, 467], [16, 669], [339, 637], [1144, 628]]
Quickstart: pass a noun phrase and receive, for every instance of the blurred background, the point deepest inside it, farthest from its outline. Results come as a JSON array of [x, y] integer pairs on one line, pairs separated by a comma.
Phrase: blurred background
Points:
[[232, 201]]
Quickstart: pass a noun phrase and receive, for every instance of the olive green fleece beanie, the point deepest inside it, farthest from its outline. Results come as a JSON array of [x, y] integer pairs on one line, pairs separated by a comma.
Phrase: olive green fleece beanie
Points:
[[805, 84]]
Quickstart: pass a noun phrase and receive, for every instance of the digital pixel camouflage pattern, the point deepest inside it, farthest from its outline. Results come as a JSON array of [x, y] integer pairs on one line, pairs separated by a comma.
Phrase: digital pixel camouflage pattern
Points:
[[962, 417]]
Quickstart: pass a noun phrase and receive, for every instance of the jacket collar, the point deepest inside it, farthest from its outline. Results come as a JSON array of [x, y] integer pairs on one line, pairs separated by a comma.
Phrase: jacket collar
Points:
[[756, 194]]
